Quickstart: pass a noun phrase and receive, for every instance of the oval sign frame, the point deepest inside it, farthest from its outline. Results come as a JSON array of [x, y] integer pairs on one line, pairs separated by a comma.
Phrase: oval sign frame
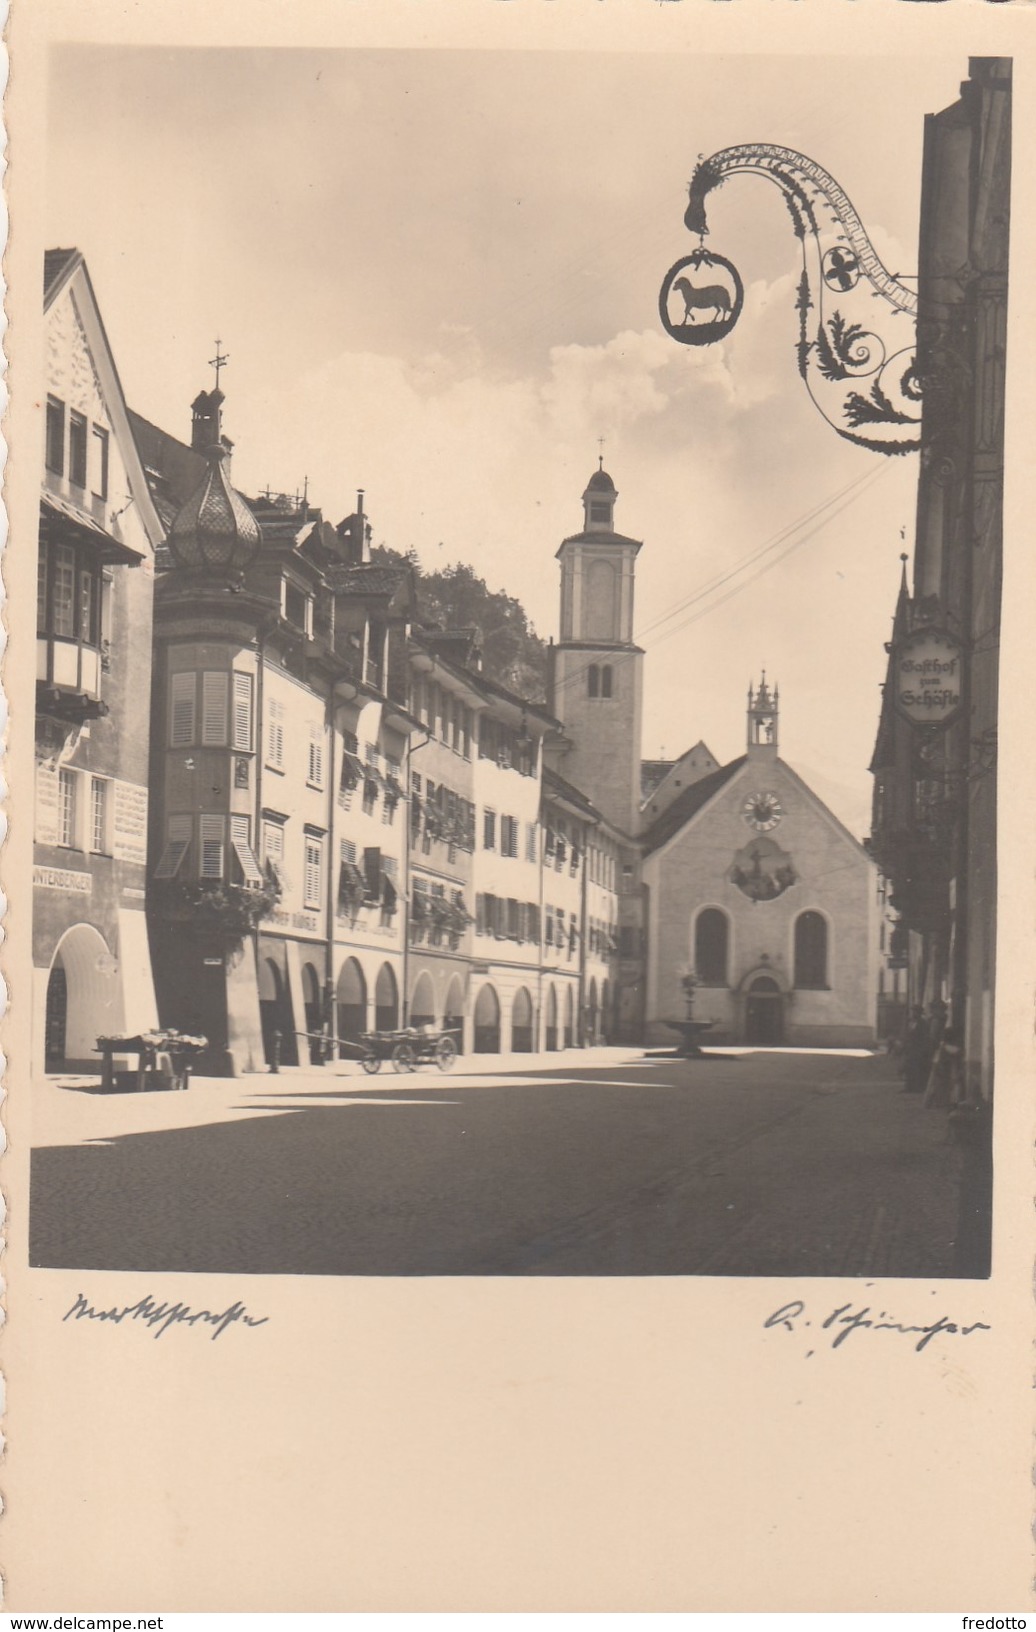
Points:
[[700, 334]]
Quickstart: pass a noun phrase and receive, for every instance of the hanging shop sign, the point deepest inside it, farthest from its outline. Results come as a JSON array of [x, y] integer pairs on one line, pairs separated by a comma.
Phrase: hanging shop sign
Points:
[[928, 677], [856, 321], [701, 299]]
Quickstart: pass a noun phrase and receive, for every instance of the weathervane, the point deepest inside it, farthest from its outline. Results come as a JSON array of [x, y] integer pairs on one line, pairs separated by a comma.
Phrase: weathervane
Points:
[[865, 384], [219, 361]]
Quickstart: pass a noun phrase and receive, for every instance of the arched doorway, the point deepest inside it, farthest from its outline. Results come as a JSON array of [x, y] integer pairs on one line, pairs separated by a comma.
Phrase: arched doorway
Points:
[[311, 1000], [275, 1015], [487, 1022], [521, 1022], [352, 1006], [551, 1031], [422, 1001], [56, 1018], [386, 999], [84, 1000], [570, 1019], [591, 1014], [764, 1013], [453, 1016]]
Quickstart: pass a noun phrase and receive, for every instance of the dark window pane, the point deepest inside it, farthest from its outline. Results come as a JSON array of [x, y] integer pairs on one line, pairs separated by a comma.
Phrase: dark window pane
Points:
[[77, 449], [55, 436], [811, 951], [710, 947], [100, 462]]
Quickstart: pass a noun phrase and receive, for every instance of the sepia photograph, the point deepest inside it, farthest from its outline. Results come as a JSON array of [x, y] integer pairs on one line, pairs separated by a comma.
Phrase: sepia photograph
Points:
[[518, 937], [517, 663]]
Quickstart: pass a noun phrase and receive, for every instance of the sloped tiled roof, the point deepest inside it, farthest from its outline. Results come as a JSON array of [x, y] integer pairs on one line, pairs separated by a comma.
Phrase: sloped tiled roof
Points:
[[553, 783], [689, 802], [173, 469], [366, 579], [57, 263]]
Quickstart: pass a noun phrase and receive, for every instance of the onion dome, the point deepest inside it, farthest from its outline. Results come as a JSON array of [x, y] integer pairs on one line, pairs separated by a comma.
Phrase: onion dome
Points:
[[214, 531], [599, 498]]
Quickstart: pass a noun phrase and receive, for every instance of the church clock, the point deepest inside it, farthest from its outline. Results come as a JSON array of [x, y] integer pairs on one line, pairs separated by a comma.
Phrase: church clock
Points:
[[762, 811]]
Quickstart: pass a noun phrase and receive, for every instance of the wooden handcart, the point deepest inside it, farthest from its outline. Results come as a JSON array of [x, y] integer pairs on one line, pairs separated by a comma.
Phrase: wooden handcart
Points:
[[407, 1049]]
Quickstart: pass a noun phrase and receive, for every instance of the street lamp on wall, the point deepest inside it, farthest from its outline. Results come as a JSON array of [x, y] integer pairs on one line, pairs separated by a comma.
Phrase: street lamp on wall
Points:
[[856, 348]]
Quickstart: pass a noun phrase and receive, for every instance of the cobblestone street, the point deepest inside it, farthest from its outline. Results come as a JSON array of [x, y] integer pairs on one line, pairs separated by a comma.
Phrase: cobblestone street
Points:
[[610, 1163]]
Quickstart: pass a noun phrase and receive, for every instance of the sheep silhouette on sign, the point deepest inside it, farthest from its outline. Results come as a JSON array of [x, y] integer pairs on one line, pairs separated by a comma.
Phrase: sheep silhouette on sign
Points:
[[712, 298]]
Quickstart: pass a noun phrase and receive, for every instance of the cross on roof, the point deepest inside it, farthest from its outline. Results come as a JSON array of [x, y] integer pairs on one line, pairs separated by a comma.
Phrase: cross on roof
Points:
[[219, 361], [600, 456]]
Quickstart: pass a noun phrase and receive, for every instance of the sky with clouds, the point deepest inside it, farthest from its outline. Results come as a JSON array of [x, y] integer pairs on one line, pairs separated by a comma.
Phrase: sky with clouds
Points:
[[436, 275]]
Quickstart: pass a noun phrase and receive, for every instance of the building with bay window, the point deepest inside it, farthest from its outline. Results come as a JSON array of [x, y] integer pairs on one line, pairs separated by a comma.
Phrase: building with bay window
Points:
[[278, 748], [98, 536]]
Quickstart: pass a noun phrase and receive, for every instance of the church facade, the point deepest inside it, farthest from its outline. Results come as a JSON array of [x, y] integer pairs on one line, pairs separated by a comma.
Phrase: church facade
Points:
[[738, 874], [758, 888]]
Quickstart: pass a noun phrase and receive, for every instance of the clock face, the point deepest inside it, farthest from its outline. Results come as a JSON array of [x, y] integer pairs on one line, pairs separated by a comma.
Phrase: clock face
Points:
[[762, 811]]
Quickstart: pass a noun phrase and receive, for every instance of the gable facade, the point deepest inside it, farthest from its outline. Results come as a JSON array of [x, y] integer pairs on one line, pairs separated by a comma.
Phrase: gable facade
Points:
[[774, 905]]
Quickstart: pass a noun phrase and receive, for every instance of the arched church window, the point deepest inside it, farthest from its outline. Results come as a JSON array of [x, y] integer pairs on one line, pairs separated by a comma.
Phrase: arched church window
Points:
[[711, 947], [811, 952], [593, 680], [606, 680]]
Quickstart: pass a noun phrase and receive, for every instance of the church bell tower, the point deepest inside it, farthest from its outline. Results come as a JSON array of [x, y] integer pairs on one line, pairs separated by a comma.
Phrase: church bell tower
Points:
[[596, 669], [762, 720]]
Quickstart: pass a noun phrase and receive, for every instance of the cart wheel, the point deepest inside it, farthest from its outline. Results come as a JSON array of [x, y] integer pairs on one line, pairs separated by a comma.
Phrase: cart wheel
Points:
[[403, 1057], [445, 1053], [370, 1062]]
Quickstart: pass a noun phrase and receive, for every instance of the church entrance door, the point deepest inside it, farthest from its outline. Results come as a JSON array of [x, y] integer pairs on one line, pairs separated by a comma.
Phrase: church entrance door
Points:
[[764, 1019]]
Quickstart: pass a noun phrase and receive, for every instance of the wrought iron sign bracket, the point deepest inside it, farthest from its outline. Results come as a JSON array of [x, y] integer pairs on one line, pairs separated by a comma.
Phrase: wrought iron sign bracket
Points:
[[857, 359]]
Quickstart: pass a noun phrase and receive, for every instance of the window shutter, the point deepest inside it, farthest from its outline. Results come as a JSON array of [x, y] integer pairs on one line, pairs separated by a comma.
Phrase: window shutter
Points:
[[243, 712], [314, 867], [210, 832], [275, 733], [215, 688], [181, 725], [178, 842], [480, 914], [316, 756], [240, 838]]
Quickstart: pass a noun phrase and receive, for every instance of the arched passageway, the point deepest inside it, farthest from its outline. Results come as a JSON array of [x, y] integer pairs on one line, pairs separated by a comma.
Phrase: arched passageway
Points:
[[313, 1014], [550, 1039], [352, 1006], [275, 1017], [84, 999], [386, 999], [521, 1022], [422, 1001], [453, 1017], [570, 1019], [487, 1022]]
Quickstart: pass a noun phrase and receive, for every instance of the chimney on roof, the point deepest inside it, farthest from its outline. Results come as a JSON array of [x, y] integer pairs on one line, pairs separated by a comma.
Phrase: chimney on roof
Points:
[[355, 535]]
